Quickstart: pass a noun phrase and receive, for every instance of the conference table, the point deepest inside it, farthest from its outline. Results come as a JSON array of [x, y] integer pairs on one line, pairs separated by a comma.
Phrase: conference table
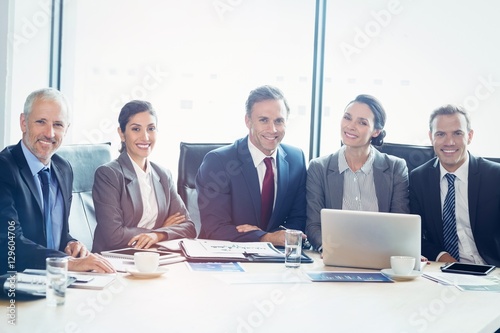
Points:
[[266, 297]]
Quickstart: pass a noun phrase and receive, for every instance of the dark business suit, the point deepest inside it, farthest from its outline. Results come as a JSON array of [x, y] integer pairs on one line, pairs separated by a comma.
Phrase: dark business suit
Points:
[[484, 207], [229, 192], [119, 208], [20, 202]]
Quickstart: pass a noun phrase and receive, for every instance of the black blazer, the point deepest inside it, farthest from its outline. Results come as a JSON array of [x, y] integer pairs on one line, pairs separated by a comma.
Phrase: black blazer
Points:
[[484, 207], [20, 202]]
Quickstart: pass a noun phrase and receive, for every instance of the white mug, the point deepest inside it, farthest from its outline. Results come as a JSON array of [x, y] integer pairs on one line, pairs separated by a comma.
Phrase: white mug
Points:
[[146, 262], [402, 265]]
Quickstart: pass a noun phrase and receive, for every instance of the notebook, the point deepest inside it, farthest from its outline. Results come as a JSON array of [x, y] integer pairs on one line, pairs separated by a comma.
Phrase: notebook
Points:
[[128, 253], [123, 259], [368, 239], [209, 250]]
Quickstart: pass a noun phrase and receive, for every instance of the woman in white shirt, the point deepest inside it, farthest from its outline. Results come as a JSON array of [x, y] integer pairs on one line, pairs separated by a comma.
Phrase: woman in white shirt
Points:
[[135, 199]]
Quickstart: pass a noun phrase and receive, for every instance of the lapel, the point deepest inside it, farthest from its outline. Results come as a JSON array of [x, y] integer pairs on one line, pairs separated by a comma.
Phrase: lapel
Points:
[[161, 197], [334, 182], [56, 169], [132, 185], [382, 180], [283, 180], [434, 197], [25, 172], [249, 174], [473, 189]]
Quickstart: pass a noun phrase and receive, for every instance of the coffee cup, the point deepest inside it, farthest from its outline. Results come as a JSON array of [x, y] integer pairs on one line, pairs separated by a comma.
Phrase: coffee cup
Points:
[[146, 262], [402, 265]]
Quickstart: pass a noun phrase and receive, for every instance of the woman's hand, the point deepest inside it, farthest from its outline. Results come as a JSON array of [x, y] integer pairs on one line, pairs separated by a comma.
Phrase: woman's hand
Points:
[[145, 241], [174, 219]]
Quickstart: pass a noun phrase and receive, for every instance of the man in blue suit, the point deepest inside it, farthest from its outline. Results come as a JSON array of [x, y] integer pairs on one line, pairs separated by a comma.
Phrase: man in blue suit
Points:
[[231, 179], [477, 194]]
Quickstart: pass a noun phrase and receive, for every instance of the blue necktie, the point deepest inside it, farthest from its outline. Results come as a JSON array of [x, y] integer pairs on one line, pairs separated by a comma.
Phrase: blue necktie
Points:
[[45, 177], [449, 220]]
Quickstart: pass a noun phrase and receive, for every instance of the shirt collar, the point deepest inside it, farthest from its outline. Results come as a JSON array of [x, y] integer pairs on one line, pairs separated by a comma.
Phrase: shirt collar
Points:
[[33, 162], [366, 168], [257, 155], [462, 172], [138, 170]]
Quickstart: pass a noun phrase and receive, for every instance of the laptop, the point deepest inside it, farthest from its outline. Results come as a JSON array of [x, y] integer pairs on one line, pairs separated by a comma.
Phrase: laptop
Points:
[[368, 239]]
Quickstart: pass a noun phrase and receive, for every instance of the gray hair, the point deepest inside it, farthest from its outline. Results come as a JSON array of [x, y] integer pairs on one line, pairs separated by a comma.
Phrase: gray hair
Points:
[[48, 94]]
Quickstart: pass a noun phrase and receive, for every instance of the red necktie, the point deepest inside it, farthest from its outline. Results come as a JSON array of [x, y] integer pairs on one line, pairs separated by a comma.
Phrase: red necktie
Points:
[[267, 196]]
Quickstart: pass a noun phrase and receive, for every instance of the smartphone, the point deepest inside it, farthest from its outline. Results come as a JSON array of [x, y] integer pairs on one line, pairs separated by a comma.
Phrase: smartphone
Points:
[[460, 268]]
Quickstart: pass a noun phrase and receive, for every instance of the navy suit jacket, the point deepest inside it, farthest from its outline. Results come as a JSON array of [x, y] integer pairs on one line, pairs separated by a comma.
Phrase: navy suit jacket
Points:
[[484, 207], [21, 215], [229, 192]]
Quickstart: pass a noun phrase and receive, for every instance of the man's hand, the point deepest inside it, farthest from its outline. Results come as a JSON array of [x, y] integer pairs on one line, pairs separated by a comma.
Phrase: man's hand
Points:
[[145, 241], [446, 257], [276, 238], [246, 228], [93, 262], [174, 219], [76, 249]]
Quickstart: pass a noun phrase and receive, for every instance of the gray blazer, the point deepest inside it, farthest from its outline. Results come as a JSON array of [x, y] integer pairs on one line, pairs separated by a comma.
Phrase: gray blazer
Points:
[[118, 205], [325, 188]]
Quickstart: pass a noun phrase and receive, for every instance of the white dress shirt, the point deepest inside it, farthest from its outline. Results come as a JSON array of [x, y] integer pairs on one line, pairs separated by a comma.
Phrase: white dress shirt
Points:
[[359, 186], [258, 160], [466, 244], [148, 196]]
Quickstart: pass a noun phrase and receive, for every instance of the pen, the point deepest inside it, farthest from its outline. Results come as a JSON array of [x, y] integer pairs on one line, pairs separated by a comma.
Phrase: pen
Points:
[[133, 243], [305, 245]]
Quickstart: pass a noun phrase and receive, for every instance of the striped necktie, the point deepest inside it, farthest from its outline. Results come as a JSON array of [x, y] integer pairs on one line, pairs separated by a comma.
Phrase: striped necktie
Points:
[[449, 220]]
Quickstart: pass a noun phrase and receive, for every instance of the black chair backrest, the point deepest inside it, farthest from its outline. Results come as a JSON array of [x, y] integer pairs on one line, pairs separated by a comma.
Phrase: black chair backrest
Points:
[[493, 159], [413, 154], [84, 159], [191, 156]]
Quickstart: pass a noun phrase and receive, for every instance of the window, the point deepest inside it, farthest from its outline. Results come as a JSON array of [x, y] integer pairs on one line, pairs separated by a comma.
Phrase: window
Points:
[[195, 61], [414, 56], [27, 54]]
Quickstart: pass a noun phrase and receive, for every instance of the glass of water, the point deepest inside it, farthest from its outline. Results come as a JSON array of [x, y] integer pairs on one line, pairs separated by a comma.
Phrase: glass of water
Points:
[[293, 248], [57, 279]]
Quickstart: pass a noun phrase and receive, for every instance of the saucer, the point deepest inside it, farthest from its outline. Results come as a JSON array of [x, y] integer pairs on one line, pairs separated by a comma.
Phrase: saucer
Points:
[[390, 274], [148, 275]]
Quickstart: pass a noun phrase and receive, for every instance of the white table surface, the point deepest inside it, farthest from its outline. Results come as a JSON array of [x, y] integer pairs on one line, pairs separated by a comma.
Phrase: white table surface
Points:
[[185, 301]]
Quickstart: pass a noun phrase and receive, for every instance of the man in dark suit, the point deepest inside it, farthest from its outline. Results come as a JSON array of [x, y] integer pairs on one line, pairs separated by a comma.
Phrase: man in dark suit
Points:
[[27, 236], [477, 194], [231, 179]]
